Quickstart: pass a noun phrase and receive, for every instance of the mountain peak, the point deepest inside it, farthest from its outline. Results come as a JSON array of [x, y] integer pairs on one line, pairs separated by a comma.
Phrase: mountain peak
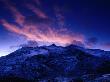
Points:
[[53, 45]]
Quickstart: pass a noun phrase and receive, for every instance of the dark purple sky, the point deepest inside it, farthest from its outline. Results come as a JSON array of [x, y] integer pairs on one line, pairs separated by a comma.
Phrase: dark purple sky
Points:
[[81, 22]]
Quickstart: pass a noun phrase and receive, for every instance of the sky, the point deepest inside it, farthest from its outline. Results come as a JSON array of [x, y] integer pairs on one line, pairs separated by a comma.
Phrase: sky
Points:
[[62, 22]]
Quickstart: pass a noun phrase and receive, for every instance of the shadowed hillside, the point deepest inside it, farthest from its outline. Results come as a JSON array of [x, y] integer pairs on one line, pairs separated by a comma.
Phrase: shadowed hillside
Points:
[[54, 64]]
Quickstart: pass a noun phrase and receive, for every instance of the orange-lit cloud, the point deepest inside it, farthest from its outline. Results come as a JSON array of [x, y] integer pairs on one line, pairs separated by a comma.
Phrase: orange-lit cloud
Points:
[[43, 31]]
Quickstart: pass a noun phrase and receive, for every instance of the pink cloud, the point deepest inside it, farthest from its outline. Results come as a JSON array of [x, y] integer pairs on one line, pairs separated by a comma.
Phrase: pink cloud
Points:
[[19, 18], [106, 45], [37, 11], [37, 2], [43, 31], [59, 16]]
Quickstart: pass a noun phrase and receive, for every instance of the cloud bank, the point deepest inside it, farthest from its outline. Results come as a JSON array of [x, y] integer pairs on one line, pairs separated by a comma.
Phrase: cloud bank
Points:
[[44, 28]]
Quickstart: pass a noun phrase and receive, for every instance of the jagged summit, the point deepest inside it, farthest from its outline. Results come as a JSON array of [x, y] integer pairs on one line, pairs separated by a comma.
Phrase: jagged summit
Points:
[[53, 45]]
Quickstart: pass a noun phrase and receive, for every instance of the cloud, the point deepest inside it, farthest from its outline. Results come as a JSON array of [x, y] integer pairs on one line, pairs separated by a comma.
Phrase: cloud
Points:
[[29, 44], [37, 11], [78, 43], [59, 16], [10, 27], [42, 31], [106, 45], [37, 2], [91, 42], [19, 18]]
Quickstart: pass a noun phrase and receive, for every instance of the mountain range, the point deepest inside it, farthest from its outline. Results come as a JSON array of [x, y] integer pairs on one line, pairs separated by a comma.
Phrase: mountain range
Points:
[[55, 64]]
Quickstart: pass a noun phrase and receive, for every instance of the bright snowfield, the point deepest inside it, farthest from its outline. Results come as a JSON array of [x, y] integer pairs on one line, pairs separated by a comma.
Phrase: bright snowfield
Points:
[[55, 64]]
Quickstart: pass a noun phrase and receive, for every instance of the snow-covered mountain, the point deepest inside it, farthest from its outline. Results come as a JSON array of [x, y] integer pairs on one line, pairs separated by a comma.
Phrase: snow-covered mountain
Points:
[[55, 64]]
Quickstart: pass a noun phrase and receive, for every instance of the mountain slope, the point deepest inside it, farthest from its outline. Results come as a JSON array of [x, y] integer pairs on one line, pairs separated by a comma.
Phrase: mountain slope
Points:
[[52, 63]]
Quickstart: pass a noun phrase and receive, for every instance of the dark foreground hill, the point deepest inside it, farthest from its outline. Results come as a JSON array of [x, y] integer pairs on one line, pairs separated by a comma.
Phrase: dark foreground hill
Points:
[[55, 64]]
